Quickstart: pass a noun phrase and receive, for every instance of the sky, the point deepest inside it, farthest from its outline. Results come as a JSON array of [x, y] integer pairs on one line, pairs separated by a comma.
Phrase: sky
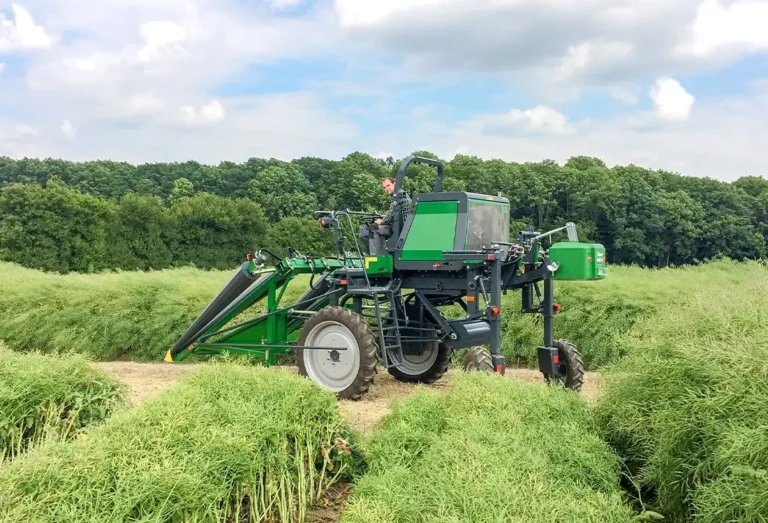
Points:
[[681, 86]]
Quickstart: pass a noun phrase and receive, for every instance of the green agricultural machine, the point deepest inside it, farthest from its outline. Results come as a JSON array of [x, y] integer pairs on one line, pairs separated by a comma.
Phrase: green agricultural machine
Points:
[[437, 289]]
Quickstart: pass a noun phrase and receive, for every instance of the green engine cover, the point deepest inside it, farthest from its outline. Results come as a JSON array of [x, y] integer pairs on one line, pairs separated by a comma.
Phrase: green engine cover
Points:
[[433, 231], [578, 261]]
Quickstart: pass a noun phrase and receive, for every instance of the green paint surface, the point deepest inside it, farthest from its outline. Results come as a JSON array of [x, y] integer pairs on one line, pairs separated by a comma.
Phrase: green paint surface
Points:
[[379, 265], [433, 231], [578, 261]]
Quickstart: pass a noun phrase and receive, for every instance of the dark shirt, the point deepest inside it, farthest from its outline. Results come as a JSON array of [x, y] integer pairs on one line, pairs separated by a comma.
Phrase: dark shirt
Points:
[[405, 208]]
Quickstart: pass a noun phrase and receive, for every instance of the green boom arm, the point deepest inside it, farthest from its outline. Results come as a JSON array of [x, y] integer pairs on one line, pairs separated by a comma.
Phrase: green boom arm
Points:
[[269, 334]]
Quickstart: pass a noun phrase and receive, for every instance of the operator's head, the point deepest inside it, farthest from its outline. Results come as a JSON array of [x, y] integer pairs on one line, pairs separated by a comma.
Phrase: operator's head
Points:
[[389, 185]]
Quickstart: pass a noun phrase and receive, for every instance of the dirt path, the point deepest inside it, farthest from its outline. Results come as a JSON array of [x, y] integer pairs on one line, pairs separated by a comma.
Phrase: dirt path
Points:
[[148, 379]]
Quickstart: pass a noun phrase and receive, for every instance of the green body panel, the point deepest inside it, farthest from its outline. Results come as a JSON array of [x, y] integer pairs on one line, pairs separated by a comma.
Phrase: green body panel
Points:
[[379, 265], [433, 231], [578, 261]]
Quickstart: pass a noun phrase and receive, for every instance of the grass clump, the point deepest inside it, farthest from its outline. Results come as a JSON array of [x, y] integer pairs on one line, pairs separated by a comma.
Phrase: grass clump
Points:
[[47, 398], [687, 408], [597, 315], [110, 316], [230, 443], [489, 450]]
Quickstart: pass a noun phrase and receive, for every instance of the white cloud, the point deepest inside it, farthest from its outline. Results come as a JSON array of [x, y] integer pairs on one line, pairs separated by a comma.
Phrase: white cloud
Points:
[[21, 32], [144, 79], [145, 104], [21, 131], [2, 67], [672, 101], [17, 139], [738, 27], [724, 139], [162, 38], [68, 130], [210, 113], [538, 120], [286, 4], [557, 48]]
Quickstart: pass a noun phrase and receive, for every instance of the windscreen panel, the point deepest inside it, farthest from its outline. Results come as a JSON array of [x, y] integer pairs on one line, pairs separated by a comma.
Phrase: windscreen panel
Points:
[[488, 223]]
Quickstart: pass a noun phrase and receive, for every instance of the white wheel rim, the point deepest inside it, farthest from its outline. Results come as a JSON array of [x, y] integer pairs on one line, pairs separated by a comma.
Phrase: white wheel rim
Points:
[[332, 370], [414, 364]]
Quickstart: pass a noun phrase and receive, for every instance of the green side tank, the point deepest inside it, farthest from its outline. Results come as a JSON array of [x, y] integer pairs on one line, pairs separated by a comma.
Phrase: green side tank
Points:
[[578, 261]]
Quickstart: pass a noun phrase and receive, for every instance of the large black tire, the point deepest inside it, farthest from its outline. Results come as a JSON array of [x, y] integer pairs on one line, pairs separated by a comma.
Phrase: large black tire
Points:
[[417, 374], [571, 366], [349, 373], [478, 359]]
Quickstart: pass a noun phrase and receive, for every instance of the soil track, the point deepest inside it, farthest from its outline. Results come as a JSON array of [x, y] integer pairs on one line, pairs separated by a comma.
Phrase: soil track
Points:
[[145, 380]]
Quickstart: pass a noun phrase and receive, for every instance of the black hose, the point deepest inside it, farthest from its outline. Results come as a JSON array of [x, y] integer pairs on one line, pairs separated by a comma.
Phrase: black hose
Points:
[[278, 258]]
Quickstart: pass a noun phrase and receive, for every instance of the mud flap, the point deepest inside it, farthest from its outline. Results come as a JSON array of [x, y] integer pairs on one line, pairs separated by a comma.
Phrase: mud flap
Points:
[[549, 361]]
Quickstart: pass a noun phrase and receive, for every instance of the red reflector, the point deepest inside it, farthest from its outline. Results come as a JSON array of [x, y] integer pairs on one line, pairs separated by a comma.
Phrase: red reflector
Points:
[[589, 259], [498, 369], [248, 257], [490, 257], [605, 260], [556, 307], [556, 359], [495, 311]]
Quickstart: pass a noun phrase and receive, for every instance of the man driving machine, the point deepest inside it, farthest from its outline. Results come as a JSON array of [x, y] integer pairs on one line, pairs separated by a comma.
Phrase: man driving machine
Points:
[[381, 228]]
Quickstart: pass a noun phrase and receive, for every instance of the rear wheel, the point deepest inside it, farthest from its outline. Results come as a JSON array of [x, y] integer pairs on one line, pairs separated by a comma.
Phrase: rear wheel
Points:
[[571, 371], [347, 371], [427, 367], [478, 359]]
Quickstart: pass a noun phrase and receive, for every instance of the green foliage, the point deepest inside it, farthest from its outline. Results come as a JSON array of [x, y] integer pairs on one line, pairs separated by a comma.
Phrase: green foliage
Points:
[[282, 191], [46, 398], [230, 443], [686, 407], [643, 217], [215, 232], [491, 449], [129, 315], [139, 315], [140, 235], [304, 235], [53, 228], [597, 316], [182, 188]]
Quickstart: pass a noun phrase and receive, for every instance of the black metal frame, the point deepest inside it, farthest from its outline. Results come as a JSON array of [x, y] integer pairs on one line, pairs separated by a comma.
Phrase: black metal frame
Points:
[[451, 282]]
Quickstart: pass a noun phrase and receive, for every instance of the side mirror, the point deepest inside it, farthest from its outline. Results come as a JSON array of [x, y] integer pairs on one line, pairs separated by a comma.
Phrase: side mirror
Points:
[[570, 227]]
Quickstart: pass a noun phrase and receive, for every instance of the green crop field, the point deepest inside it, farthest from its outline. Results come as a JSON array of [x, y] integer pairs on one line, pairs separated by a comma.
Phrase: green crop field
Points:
[[490, 450], [50, 398], [139, 315], [679, 429], [229, 444], [686, 409]]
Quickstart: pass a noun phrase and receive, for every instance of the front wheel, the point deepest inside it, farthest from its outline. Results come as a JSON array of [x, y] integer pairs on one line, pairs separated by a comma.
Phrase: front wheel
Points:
[[478, 359], [347, 370], [571, 367]]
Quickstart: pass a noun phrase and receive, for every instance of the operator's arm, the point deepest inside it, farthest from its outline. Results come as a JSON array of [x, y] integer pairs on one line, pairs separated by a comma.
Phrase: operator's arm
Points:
[[405, 208], [387, 219]]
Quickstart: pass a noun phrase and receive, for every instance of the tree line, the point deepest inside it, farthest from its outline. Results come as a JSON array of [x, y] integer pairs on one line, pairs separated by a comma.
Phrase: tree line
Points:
[[68, 216]]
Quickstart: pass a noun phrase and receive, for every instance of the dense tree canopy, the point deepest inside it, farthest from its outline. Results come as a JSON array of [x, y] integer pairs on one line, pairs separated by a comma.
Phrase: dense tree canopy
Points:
[[83, 216]]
